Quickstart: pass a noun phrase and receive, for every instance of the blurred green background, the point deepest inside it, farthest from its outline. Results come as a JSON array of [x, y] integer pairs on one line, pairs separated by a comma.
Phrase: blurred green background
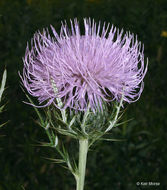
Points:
[[115, 165]]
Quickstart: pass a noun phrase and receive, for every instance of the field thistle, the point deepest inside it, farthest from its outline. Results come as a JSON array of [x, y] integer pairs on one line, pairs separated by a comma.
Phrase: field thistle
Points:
[[83, 73]]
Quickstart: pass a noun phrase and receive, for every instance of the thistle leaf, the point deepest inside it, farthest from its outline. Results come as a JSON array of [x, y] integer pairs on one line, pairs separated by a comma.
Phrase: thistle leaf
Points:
[[116, 140], [36, 110], [3, 83], [66, 132], [1, 108], [3, 124], [58, 161]]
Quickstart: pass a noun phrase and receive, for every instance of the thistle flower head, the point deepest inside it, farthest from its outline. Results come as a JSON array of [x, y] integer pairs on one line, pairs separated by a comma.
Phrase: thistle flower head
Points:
[[101, 65]]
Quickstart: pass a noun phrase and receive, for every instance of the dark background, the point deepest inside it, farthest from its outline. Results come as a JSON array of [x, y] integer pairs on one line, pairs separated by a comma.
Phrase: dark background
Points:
[[111, 165]]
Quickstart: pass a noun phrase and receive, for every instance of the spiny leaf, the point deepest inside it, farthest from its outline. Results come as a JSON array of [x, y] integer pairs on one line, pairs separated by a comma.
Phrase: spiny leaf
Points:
[[1, 108], [3, 83], [116, 140], [3, 124], [66, 132], [44, 144], [58, 161], [72, 121], [118, 124], [38, 113]]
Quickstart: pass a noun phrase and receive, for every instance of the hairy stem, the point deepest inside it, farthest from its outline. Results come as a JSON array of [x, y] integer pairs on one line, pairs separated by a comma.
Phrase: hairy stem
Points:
[[83, 150]]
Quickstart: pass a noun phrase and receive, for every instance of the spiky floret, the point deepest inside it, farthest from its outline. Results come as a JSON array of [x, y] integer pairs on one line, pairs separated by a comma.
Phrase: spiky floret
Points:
[[83, 70]]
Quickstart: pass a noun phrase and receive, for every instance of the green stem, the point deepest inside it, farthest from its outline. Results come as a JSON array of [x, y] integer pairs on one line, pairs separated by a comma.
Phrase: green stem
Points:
[[83, 150]]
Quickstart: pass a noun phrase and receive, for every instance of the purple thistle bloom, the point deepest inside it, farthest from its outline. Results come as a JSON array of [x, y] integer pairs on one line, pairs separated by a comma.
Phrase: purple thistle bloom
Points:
[[101, 65]]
